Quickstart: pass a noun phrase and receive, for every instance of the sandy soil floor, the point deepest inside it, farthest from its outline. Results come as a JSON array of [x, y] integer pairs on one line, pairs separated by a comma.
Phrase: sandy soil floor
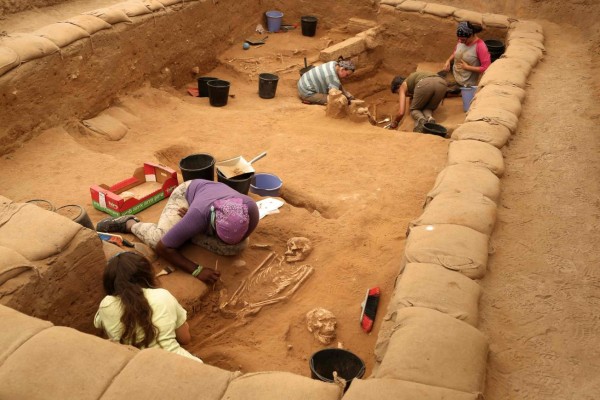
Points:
[[351, 189]]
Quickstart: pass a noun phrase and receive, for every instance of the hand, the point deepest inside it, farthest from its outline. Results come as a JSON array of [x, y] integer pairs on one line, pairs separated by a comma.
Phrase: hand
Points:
[[182, 211], [447, 66], [464, 64], [209, 276]]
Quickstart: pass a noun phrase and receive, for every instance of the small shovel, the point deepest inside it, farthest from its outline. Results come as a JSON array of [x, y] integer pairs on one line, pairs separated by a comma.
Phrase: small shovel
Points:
[[238, 167]]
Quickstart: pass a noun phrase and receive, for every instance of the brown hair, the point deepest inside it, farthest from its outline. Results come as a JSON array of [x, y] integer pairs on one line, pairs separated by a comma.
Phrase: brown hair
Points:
[[125, 276]]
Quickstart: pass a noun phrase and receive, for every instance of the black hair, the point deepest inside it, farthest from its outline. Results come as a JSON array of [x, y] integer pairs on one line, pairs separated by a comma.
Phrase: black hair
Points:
[[476, 27], [396, 82]]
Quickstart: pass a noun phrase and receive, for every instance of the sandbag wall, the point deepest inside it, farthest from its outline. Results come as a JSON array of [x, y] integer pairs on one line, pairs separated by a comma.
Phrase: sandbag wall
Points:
[[429, 345]]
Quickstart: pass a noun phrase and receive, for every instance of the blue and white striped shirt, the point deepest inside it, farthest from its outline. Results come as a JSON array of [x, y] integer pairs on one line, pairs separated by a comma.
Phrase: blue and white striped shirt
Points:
[[319, 80]]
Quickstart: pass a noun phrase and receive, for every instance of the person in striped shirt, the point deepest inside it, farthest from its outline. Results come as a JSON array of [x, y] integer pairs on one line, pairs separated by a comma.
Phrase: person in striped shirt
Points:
[[314, 85]]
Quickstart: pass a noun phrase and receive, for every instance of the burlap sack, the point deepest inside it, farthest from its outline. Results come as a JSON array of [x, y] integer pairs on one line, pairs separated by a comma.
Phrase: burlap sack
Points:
[[122, 115], [89, 23], [36, 233], [110, 15], [486, 99], [8, 60], [107, 126], [167, 3], [502, 91], [527, 42], [494, 116], [13, 264], [496, 135], [455, 247], [432, 348], [411, 6], [279, 385], [439, 10], [61, 33], [17, 328], [515, 34], [503, 72], [393, 389], [495, 21], [29, 47], [153, 5], [460, 178], [469, 16], [132, 8], [524, 52], [158, 374], [477, 153], [62, 363], [527, 26], [470, 209]]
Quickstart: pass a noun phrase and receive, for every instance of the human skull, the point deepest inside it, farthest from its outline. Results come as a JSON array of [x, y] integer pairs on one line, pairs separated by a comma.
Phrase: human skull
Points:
[[298, 248], [321, 323]]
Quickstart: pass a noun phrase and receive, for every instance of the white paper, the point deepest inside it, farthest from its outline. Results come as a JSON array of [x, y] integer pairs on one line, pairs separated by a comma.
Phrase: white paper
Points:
[[268, 206]]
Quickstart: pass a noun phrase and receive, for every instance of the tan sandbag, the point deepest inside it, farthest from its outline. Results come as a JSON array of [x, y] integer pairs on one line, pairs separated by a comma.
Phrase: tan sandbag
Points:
[[110, 15], [89, 23], [466, 178], [439, 10], [122, 115], [513, 34], [279, 385], [29, 47], [469, 16], [411, 6], [394, 389], [37, 233], [432, 348], [502, 91], [502, 72], [153, 5], [493, 115], [167, 3], [158, 374], [493, 100], [62, 363], [8, 60], [527, 26], [435, 287], [5, 201], [496, 135], [106, 126], [17, 328], [527, 42], [61, 33], [477, 153], [392, 3], [495, 21], [132, 8], [524, 52], [455, 247], [13, 264], [470, 209]]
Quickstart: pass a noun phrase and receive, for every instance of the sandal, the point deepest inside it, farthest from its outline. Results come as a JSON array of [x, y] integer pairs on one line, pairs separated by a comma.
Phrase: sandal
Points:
[[115, 224]]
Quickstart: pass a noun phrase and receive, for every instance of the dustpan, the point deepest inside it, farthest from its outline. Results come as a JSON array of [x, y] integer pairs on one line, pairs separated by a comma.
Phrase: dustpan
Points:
[[237, 166]]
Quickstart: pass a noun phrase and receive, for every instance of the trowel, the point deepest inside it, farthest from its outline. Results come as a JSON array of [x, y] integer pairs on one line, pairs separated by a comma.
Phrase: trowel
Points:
[[237, 166]]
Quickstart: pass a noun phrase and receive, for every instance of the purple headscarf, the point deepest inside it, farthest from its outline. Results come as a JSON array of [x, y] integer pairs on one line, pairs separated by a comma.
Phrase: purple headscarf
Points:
[[464, 30], [231, 220]]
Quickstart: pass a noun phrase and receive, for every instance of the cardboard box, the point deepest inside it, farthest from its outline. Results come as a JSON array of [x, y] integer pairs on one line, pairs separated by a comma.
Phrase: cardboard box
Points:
[[148, 185]]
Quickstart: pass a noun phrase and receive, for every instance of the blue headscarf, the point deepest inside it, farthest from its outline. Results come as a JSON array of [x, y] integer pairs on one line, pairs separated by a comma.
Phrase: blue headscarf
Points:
[[464, 30]]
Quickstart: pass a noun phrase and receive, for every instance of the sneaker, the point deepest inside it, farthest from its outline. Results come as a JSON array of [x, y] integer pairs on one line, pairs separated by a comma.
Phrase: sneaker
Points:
[[115, 224], [430, 120]]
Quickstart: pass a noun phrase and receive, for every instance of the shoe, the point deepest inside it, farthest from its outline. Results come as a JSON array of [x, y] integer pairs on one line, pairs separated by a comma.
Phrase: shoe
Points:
[[430, 120], [419, 125], [115, 224]]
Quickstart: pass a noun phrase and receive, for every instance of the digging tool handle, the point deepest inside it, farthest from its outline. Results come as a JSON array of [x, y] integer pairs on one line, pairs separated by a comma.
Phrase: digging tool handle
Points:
[[258, 157], [305, 64]]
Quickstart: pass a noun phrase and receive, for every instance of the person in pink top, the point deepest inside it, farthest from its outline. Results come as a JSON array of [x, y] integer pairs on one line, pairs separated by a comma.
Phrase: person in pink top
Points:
[[471, 56]]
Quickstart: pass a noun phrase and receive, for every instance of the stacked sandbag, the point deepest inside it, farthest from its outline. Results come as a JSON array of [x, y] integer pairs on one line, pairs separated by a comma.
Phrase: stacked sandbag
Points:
[[466, 178], [483, 131], [474, 152], [395, 389]]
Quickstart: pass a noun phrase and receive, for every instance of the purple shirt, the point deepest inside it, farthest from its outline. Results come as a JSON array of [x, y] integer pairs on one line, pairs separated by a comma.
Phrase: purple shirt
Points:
[[200, 196]]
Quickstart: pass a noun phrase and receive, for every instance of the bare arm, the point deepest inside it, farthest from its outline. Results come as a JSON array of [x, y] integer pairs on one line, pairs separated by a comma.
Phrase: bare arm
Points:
[[175, 258], [402, 106], [182, 334]]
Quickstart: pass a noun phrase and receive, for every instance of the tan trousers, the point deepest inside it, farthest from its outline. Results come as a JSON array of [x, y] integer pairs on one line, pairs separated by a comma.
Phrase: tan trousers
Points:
[[428, 95]]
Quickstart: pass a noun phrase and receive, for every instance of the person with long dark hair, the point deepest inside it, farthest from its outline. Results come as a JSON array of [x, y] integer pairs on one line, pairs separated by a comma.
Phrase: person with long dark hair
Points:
[[138, 313], [470, 57]]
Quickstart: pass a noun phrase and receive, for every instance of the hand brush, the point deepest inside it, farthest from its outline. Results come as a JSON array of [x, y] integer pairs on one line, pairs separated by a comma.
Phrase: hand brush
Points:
[[369, 309]]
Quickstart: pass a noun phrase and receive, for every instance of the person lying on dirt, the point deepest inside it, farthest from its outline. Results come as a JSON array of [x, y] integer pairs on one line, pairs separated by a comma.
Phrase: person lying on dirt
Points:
[[427, 91], [314, 85], [209, 214], [471, 56], [138, 313]]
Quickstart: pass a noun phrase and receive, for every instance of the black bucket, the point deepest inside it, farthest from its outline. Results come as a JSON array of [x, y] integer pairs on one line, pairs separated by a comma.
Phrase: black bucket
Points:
[[346, 364], [202, 87], [77, 214], [218, 92], [434, 129], [495, 47], [267, 85], [44, 204], [198, 166], [306, 69], [309, 25], [240, 183]]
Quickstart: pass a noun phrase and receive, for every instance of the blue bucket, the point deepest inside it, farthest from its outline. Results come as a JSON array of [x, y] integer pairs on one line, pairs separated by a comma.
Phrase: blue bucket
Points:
[[274, 20], [467, 93], [266, 185]]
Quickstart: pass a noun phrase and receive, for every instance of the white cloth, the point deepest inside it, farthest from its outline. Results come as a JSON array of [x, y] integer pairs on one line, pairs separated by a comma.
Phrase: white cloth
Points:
[[167, 316]]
